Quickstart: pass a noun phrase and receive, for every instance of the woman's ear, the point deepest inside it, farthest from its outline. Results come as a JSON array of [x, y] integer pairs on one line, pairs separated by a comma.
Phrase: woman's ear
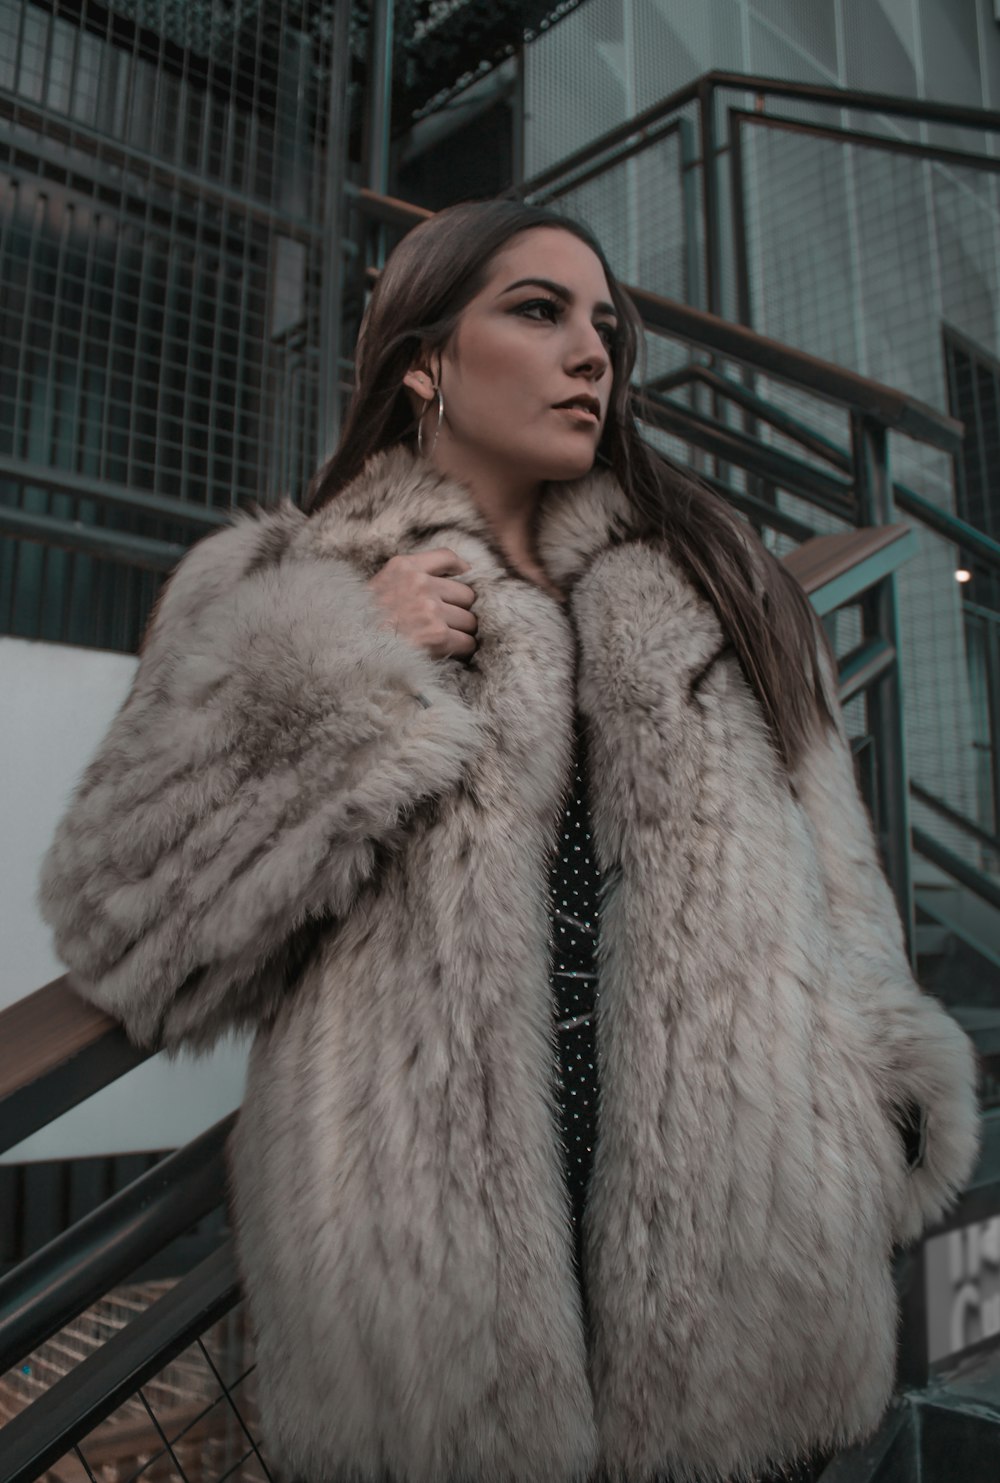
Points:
[[420, 382]]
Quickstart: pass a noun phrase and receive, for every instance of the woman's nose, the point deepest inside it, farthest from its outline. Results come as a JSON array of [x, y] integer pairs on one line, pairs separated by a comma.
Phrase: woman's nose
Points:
[[590, 353]]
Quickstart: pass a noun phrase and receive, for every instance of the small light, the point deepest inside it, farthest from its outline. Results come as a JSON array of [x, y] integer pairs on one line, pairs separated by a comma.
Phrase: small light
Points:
[[963, 575]]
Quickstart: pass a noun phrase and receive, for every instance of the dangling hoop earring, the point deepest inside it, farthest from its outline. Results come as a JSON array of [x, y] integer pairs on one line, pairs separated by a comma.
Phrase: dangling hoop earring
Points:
[[420, 424]]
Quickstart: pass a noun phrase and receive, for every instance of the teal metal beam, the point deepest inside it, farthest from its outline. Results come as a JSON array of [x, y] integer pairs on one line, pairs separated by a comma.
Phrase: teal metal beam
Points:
[[849, 586]]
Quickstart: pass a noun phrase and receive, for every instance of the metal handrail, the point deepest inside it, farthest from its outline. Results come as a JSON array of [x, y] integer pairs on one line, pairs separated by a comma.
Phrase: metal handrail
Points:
[[96, 540], [826, 491], [976, 542], [866, 102], [56, 1284], [967, 826], [894, 409], [106, 492], [967, 875], [64, 1414], [760, 409]]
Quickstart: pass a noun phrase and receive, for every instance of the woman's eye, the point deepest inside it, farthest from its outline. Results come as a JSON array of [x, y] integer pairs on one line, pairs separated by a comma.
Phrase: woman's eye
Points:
[[547, 308], [551, 309]]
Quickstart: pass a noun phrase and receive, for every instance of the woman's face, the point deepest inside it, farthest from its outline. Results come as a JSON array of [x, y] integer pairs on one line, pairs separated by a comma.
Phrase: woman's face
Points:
[[536, 337]]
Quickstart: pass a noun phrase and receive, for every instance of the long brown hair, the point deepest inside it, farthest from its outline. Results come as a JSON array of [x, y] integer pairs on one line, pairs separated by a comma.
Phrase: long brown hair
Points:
[[417, 301]]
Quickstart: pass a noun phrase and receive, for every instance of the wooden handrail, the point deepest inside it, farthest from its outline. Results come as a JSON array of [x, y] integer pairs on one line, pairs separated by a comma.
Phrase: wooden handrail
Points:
[[820, 561], [55, 1051]]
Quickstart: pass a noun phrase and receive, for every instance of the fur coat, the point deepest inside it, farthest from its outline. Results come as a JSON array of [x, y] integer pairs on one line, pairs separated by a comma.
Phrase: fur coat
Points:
[[302, 823]]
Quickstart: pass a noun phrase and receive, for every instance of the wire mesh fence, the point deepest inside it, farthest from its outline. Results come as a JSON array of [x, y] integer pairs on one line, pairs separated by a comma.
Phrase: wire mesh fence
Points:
[[162, 245], [195, 1421], [878, 250]]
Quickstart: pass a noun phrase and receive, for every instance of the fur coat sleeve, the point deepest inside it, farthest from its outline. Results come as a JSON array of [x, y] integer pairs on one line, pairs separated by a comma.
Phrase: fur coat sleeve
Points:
[[924, 1062], [274, 740]]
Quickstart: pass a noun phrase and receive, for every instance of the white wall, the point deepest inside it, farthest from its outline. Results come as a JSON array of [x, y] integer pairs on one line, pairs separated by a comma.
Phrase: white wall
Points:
[[57, 703]]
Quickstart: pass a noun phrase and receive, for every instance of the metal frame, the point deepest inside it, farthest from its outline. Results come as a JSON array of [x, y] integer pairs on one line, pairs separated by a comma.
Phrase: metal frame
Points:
[[63, 1416], [50, 1288], [876, 492], [218, 223], [60, 1418], [741, 118]]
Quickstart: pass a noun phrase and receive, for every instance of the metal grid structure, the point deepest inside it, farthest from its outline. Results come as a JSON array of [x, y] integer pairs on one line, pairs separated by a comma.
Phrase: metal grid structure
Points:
[[165, 211], [863, 251], [194, 1421], [973, 379], [848, 234]]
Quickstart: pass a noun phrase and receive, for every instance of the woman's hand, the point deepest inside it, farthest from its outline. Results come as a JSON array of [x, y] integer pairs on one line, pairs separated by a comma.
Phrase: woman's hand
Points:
[[424, 605]]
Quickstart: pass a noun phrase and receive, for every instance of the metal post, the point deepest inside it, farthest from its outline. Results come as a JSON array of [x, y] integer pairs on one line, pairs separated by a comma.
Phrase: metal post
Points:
[[334, 234], [710, 190], [689, 162], [885, 699], [692, 212], [517, 122], [378, 121], [710, 201], [910, 1277], [991, 649], [379, 118], [737, 189]]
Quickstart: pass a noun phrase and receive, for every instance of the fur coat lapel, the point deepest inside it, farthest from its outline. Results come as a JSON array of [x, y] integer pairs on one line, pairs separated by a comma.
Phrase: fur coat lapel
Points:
[[379, 915]]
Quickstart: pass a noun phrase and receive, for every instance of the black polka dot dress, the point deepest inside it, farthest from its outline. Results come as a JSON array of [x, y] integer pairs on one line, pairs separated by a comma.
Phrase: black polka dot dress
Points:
[[574, 883]]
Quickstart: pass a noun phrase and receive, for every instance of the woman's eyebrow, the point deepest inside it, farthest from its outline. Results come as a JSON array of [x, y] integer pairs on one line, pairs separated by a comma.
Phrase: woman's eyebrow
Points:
[[559, 290]]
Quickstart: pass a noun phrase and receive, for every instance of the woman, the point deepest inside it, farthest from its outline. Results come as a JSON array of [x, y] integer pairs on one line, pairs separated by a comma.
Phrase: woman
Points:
[[331, 809]]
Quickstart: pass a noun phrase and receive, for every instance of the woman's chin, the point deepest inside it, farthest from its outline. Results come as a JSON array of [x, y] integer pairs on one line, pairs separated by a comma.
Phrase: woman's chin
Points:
[[571, 465]]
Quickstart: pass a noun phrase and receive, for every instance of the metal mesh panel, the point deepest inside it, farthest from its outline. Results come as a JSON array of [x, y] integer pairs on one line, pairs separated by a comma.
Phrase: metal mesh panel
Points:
[[861, 255], [58, 1355], [161, 243], [196, 1420], [636, 207]]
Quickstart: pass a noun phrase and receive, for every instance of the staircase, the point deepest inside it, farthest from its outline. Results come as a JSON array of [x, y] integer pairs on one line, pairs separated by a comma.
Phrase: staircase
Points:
[[106, 1377], [55, 1051]]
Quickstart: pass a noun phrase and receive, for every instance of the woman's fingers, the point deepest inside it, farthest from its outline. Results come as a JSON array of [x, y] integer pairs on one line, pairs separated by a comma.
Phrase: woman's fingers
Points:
[[459, 593], [425, 604], [438, 562], [461, 618]]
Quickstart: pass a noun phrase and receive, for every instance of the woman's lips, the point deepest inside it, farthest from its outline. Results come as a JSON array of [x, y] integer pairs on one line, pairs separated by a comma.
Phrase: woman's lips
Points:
[[579, 414]]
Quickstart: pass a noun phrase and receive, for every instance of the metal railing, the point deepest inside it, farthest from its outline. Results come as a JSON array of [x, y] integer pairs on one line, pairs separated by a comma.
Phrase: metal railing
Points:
[[65, 1421], [709, 397], [170, 196], [738, 171]]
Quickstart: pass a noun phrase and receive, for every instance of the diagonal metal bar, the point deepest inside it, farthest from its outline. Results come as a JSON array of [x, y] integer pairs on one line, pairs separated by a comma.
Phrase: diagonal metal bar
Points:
[[227, 1392], [163, 1436], [860, 669], [40, 1434], [831, 494], [893, 409], [967, 875], [57, 1283], [105, 491], [967, 826], [766, 411], [759, 511], [95, 540]]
